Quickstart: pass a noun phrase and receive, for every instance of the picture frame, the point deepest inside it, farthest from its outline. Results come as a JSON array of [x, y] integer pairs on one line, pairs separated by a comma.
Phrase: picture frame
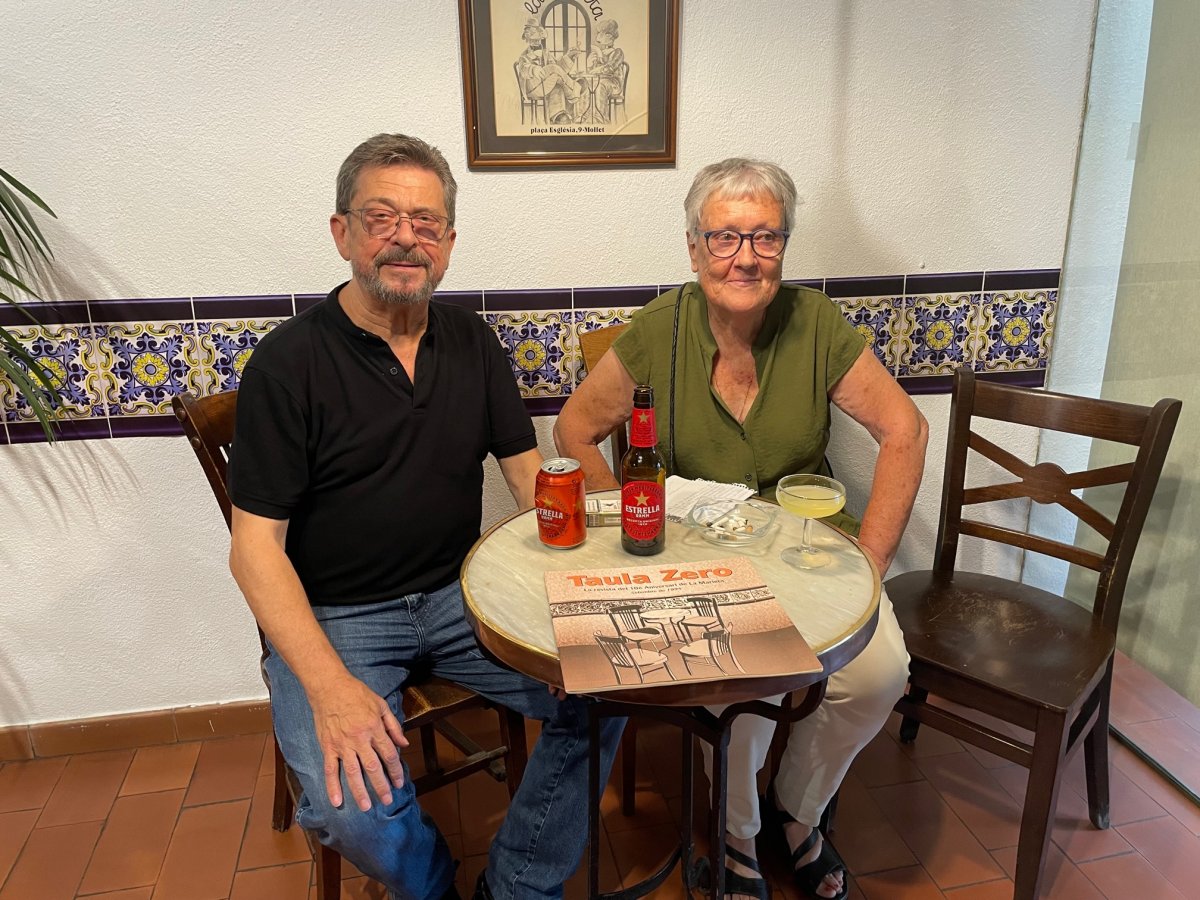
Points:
[[554, 83]]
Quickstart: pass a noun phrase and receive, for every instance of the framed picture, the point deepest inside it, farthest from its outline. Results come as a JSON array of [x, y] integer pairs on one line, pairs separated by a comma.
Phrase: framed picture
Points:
[[570, 82]]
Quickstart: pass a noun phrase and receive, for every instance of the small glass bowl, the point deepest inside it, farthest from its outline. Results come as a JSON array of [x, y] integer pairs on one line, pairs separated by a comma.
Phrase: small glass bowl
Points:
[[733, 523]]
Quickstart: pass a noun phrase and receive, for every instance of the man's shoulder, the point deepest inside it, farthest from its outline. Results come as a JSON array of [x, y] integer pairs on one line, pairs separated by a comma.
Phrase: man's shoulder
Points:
[[288, 340]]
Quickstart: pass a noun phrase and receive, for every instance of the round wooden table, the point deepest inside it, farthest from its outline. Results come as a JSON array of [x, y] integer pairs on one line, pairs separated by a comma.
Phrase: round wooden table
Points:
[[835, 608]]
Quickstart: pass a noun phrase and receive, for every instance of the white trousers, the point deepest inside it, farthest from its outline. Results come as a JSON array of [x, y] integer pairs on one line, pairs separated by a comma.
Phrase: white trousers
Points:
[[820, 747]]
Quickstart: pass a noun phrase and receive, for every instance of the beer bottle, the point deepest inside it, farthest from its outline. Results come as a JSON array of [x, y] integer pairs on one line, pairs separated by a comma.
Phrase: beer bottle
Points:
[[643, 481]]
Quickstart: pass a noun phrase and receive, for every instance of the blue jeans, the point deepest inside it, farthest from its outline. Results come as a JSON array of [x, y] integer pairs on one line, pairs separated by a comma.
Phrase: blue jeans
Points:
[[543, 836]]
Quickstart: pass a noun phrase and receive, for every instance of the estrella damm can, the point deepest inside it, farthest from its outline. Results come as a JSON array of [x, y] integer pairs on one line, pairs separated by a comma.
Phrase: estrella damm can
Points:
[[558, 501]]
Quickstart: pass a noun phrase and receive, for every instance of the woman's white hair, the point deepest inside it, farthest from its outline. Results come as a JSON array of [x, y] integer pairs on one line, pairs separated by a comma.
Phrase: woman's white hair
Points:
[[737, 178]]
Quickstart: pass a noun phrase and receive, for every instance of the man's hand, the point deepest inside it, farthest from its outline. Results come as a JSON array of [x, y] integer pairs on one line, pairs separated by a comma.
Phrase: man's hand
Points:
[[358, 735]]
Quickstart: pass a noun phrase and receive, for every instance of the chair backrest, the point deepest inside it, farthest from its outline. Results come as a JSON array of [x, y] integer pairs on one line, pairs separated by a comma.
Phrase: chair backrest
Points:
[[1147, 428], [707, 606], [624, 79], [594, 344], [626, 618], [208, 423], [718, 641], [615, 649]]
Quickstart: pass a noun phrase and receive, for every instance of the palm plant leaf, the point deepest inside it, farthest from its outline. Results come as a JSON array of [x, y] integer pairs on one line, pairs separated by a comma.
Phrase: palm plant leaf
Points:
[[21, 245]]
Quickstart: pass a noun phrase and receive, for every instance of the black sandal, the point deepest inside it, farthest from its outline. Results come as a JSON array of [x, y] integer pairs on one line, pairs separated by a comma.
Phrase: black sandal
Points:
[[810, 876], [735, 882]]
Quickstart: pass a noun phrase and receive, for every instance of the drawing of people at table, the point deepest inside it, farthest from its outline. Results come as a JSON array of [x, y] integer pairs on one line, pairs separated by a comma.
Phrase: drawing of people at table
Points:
[[606, 60], [544, 78]]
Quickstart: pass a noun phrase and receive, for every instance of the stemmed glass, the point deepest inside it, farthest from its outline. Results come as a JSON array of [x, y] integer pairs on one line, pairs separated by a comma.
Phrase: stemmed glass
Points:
[[810, 497]]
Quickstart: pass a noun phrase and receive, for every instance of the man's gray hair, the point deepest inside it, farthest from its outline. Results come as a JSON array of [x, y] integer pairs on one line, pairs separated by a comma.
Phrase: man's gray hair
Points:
[[395, 150], [738, 178]]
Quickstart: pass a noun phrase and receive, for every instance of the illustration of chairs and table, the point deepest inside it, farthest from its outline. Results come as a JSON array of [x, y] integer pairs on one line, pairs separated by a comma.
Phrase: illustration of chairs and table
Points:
[[705, 637]]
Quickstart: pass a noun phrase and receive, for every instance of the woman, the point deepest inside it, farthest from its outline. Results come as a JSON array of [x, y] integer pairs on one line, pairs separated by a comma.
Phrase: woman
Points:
[[757, 366]]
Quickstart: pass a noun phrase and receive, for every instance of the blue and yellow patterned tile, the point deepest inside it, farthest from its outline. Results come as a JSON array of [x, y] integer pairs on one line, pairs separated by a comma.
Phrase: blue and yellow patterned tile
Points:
[[148, 348], [586, 320], [537, 344], [1018, 330], [940, 333], [228, 329], [67, 354], [150, 362], [878, 320]]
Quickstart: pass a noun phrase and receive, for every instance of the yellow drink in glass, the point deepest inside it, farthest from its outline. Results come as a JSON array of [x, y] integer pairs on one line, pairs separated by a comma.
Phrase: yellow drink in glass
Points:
[[809, 497]]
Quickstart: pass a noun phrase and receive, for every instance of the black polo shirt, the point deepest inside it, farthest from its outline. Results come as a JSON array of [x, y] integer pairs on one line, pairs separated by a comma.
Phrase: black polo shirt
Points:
[[381, 481]]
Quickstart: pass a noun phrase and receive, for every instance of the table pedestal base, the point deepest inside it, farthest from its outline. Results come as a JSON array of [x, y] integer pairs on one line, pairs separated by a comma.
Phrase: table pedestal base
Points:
[[693, 722]]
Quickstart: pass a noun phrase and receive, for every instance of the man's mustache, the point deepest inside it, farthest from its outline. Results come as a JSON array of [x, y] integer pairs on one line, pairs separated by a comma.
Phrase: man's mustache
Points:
[[399, 255]]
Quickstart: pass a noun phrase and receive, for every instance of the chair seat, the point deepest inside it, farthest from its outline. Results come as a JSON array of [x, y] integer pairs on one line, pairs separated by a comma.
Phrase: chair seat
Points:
[[696, 648], [645, 657], [702, 621], [1012, 637]]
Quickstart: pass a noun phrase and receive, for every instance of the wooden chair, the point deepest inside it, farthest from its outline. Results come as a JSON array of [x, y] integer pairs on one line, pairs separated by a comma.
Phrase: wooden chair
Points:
[[594, 344], [622, 656], [710, 649], [1012, 651], [630, 625], [707, 617], [428, 702], [526, 100]]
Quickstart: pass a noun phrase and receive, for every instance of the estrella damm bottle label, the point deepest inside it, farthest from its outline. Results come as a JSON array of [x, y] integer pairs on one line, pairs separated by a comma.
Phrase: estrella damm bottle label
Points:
[[642, 430], [643, 514]]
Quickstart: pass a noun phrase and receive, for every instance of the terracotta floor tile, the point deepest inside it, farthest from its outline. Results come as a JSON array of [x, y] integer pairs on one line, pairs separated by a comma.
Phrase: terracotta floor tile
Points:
[[131, 849], [164, 768], [1155, 786], [275, 883], [641, 852], [941, 842], [362, 888], [1128, 675], [863, 836], [28, 784], [1129, 875], [443, 804], [883, 762], [976, 798], [1172, 849], [989, 890], [203, 852], [481, 811], [226, 769], [610, 877], [929, 742], [650, 808], [1061, 879], [87, 788], [141, 893], [900, 884], [50, 866], [262, 844], [14, 831], [1173, 744], [1073, 830], [266, 763]]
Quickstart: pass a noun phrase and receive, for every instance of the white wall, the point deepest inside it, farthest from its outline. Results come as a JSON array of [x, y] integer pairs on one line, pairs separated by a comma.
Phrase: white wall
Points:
[[190, 149]]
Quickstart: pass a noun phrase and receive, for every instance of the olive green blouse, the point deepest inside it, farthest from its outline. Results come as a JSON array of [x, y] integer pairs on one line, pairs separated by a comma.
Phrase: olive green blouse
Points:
[[804, 347]]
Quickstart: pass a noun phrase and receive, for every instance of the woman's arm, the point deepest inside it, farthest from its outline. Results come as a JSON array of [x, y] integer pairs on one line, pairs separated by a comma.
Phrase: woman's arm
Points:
[[871, 396], [601, 403]]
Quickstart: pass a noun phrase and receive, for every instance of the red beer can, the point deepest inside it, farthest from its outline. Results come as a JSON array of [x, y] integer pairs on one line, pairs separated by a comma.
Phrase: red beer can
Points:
[[558, 499]]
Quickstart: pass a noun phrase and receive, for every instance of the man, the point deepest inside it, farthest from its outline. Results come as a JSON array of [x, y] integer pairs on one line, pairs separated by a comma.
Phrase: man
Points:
[[356, 480]]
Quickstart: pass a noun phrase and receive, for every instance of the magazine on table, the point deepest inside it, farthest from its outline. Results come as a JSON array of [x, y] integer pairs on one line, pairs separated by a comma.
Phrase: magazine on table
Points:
[[635, 626]]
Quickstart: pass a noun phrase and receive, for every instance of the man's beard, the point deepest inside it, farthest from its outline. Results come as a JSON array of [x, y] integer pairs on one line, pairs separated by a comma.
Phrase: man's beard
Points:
[[369, 278]]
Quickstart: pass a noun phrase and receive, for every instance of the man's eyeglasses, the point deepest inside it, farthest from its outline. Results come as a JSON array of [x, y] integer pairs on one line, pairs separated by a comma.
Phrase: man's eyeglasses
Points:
[[766, 242], [378, 221]]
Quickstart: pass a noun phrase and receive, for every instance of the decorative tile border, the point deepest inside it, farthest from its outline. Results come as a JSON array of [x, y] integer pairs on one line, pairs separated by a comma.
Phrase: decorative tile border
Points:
[[119, 362]]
